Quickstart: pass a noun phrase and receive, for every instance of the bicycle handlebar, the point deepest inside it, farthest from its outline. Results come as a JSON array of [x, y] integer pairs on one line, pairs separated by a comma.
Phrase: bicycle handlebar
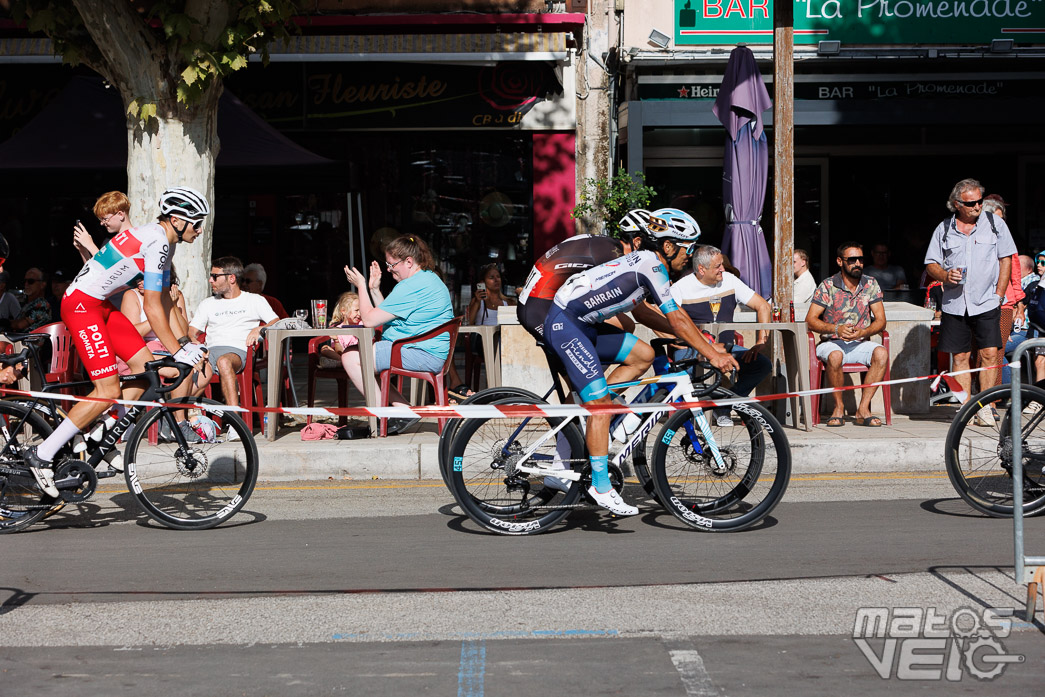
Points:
[[706, 368], [14, 358], [152, 373]]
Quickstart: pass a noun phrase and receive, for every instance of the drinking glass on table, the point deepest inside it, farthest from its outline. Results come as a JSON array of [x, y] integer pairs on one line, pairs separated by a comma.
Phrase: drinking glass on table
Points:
[[301, 315]]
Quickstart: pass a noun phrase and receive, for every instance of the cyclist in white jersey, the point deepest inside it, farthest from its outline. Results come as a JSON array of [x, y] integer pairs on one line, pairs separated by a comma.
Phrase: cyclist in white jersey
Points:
[[594, 295], [101, 332]]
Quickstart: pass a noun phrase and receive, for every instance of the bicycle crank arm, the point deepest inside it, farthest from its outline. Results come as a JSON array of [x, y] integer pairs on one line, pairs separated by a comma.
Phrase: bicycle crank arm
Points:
[[544, 471]]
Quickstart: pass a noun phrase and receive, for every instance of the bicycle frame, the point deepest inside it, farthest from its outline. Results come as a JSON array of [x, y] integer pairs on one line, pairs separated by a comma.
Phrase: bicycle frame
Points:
[[154, 390], [682, 391]]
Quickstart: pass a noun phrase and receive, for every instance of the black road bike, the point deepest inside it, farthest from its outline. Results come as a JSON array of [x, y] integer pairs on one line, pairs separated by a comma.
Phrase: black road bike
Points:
[[183, 485]]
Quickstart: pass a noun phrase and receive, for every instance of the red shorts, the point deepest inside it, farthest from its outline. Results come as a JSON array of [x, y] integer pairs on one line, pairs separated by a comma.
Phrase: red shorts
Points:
[[100, 333]]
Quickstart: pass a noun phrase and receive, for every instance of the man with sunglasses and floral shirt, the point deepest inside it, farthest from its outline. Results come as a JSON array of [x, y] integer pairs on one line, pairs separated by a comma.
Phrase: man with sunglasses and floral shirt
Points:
[[847, 309], [971, 254]]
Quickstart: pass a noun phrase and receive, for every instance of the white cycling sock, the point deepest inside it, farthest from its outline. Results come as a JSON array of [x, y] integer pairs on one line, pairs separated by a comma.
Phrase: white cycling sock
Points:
[[62, 435]]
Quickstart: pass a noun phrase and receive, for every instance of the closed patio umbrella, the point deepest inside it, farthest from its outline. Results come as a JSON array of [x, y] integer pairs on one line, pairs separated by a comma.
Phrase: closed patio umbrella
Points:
[[741, 100]]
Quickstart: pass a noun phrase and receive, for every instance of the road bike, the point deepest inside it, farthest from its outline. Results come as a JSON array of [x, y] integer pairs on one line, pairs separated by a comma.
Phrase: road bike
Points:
[[708, 381], [979, 458], [711, 477], [183, 485]]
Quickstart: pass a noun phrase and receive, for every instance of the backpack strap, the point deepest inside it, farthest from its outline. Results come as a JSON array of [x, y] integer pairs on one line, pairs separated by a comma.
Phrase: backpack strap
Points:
[[990, 219]]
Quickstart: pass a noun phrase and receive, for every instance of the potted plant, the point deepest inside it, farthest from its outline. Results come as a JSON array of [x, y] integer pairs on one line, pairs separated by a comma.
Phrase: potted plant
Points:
[[604, 202]]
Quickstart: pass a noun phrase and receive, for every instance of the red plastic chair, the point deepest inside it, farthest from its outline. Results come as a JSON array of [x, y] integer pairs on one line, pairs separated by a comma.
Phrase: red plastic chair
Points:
[[315, 371], [436, 380], [63, 355], [250, 391], [816, 369]]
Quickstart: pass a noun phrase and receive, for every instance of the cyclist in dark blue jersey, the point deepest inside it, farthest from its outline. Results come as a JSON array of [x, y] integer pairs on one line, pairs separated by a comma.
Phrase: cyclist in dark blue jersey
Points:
[[621, 285]]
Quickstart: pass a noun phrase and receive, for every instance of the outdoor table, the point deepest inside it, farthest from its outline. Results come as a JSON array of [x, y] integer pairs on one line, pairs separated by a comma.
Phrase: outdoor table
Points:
[[796, 358], [276, 337], [491, 349]]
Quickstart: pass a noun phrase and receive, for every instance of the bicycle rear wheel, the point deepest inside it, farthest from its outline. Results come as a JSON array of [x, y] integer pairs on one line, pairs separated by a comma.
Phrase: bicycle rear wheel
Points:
[[491, 491], [487, 396], [979, 458], [757, 470], [195, 487], [21, 501]]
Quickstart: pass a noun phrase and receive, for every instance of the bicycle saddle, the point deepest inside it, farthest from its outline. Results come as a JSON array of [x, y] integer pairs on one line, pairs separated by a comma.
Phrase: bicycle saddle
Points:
[[24, 337]]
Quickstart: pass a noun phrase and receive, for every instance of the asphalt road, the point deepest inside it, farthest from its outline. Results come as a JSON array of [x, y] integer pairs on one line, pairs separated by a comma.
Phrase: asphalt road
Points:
[[385, 589]]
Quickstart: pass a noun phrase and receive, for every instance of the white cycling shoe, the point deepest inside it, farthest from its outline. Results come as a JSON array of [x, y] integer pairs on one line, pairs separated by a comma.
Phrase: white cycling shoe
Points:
[[612, 502]]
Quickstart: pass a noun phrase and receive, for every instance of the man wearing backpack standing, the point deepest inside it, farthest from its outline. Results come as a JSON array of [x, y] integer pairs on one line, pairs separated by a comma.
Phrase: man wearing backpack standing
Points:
[[971, 255]]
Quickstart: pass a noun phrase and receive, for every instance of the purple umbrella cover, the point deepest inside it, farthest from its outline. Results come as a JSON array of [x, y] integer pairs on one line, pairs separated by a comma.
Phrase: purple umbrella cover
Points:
[[741, 100]]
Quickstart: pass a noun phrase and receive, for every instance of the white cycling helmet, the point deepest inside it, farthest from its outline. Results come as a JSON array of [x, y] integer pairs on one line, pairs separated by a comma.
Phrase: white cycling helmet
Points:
[[673, 224], [185, 203], [633, 223]]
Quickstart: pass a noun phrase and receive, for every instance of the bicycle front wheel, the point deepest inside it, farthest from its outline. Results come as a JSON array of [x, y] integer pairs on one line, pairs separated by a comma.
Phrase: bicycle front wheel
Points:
[[979, 458], [753, 476], [21, 501], [486, 482], [196, 486]]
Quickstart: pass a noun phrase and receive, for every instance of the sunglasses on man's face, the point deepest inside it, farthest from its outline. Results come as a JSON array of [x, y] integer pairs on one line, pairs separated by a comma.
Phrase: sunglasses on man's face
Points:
[[853, 260], [216, 276], [970, 204]]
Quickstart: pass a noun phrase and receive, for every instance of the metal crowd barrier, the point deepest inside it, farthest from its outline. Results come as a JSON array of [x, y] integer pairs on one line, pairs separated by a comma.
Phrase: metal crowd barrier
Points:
[[1029, 569]]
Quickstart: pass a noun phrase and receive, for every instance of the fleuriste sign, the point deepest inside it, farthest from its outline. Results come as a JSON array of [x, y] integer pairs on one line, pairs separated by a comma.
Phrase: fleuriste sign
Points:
[[877, 22]]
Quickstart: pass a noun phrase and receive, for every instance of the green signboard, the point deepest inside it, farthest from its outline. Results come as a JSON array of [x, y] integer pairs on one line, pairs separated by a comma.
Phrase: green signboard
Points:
[[882, 22]]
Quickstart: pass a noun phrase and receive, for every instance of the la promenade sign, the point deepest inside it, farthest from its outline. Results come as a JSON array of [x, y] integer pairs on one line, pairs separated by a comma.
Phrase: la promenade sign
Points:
[[882, 22]]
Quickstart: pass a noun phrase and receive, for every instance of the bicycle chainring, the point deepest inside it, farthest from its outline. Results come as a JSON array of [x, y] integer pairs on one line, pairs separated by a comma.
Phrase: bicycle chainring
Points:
[[76, 481]]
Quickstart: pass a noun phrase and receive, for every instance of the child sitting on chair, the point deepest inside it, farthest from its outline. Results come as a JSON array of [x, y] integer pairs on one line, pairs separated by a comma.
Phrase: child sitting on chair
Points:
[[346, 314]]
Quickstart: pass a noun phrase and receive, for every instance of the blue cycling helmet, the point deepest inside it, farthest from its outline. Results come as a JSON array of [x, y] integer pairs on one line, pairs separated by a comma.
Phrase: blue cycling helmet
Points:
[[673, 224]]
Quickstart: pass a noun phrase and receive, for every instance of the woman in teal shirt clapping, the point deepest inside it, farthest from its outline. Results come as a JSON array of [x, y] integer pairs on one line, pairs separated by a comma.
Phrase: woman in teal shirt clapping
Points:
[[419, 302]]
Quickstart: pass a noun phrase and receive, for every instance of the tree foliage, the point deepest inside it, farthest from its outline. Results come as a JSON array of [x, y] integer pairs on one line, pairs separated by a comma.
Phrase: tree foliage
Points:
[[606, 201], [195, 42]]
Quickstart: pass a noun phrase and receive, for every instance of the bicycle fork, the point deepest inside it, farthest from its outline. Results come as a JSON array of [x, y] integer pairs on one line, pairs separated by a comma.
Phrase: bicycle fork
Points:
[[705, 428]]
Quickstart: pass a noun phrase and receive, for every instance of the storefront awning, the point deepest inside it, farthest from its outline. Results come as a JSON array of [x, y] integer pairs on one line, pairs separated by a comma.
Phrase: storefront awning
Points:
[[373, 47], [423, 47]]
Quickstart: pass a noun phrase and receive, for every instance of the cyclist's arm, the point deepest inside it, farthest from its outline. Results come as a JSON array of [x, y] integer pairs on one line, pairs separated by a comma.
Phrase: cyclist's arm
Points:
[[682, 327]]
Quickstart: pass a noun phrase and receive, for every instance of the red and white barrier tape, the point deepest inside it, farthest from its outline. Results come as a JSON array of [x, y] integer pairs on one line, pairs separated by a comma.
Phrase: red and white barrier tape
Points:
[[486, 411]]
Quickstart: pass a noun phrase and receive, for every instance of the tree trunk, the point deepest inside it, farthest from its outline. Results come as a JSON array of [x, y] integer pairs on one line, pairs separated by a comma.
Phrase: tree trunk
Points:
[[177, 149], [180, 145]]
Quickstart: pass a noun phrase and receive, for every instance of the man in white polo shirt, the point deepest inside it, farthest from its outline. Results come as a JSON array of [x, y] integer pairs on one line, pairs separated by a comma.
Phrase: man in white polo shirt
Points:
[[233, 320], [698, 293]]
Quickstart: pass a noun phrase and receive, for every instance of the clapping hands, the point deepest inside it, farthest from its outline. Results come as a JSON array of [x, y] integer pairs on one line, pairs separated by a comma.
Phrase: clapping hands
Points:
[[356, 278]]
